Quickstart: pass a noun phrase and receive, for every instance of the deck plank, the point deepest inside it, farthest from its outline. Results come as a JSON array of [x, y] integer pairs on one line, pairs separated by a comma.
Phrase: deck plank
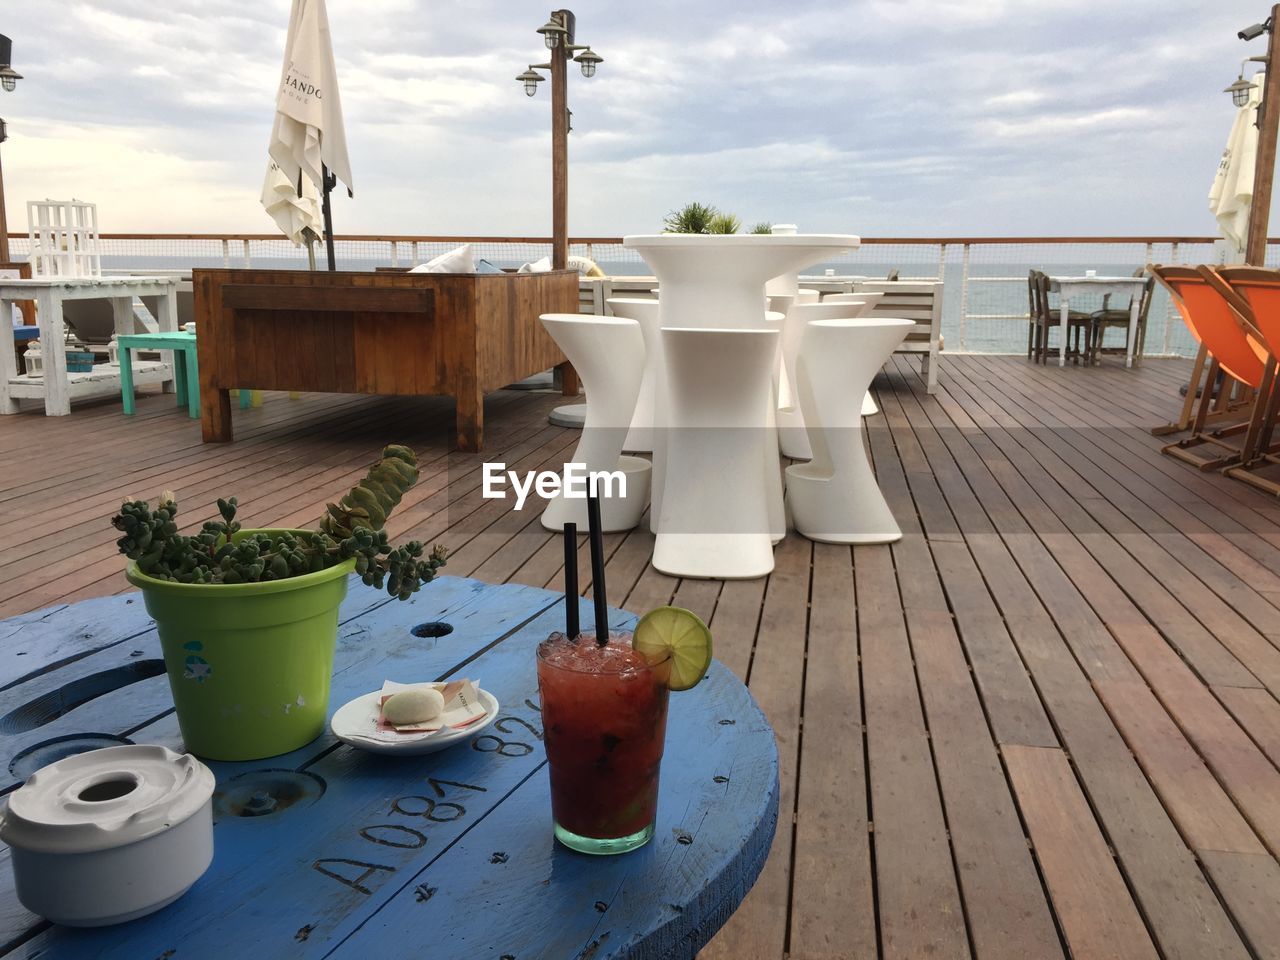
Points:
[[759, 928], [920, 910], [1098, 917], [832, 894]]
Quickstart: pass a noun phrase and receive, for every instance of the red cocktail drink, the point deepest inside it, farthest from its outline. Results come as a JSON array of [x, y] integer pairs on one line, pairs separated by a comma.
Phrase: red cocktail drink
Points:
[[604, 715]]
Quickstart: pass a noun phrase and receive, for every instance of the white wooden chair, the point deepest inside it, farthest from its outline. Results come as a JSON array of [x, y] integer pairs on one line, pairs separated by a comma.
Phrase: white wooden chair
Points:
[[920, 301], [63, 238]]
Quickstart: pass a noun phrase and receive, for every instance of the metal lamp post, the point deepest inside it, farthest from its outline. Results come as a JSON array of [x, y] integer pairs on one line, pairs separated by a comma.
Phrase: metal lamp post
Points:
[[8, 80], [558, 35]]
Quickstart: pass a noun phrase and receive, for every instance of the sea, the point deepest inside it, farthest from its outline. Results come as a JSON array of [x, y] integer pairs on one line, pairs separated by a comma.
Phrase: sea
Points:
[[988, 314]]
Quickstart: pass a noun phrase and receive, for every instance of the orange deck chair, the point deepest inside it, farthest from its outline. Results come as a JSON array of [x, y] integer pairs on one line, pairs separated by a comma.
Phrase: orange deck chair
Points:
[[1235, 345], [1260, 289]]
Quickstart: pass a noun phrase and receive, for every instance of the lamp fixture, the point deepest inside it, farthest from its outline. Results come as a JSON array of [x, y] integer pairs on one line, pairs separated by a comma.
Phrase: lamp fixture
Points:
[[8, 76], [531, 78], [1241, 88], [551, 32], [557, 33], [588, 59]]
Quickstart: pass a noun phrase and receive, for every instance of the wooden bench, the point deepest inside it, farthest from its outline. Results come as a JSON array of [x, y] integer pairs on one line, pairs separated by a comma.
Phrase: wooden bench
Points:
[[920, 301], [402, 334]]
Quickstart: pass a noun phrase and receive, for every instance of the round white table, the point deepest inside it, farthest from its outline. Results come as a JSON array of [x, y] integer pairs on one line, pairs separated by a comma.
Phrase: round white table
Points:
[[718, 281]]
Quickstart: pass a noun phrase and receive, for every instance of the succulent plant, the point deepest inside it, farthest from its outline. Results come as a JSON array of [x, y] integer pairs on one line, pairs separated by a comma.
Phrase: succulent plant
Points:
[[351, 528]]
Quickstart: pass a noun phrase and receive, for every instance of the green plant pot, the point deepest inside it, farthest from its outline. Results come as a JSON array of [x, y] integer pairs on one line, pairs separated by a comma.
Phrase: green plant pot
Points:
[[249, 664]]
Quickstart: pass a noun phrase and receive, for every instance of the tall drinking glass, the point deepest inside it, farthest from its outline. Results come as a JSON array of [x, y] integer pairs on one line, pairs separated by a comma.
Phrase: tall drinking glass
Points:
[[604, 716]]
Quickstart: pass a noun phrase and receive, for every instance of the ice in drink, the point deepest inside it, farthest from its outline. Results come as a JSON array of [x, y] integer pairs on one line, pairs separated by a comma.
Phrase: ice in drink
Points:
[[604, 715]]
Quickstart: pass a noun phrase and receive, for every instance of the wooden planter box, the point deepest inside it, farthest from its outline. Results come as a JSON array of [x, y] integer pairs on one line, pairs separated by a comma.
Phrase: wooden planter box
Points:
[[404, 334]]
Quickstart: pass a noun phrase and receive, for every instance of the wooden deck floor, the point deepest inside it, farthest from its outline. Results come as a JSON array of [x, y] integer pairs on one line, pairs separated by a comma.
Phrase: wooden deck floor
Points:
[[1044, 724]]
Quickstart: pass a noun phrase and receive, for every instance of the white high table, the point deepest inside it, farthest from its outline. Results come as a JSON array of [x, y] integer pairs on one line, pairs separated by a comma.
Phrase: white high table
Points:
[[717, 281], [55, 385], [1067, 287]]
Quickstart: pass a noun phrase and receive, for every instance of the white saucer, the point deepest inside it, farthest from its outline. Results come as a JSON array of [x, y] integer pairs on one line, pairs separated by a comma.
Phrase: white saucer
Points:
[[355, 722]]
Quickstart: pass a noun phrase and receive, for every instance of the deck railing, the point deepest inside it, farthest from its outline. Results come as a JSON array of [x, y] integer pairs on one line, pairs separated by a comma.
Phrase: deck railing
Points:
[[984, 293]]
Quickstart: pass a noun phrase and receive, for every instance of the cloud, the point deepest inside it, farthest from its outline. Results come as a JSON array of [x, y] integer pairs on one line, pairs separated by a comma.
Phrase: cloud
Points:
[[879, 117]]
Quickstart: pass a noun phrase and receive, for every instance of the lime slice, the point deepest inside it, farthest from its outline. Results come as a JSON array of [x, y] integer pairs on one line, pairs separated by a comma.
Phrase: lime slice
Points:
[[682, 634]]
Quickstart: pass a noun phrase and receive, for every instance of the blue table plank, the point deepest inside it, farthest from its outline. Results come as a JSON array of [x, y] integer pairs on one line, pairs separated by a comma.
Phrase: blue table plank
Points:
[[369, 854], [40, 640]]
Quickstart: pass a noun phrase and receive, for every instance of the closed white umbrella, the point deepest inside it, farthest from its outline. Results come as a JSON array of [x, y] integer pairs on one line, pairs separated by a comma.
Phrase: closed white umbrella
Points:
[[1232, 190], [293, 214], [308, 136]]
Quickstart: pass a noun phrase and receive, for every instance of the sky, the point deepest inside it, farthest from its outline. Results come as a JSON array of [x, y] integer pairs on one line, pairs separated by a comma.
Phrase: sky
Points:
[[885, 118]]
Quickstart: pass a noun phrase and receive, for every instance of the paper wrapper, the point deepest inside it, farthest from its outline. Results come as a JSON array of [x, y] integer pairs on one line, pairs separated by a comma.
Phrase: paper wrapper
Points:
[[462, 708]]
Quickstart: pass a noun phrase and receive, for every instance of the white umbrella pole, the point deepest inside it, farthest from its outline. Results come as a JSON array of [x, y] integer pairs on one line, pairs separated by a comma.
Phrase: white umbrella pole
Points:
[[329, 180]]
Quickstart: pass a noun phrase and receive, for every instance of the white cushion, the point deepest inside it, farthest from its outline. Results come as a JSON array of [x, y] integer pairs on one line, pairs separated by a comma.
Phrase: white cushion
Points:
[[461, 260], [538, 266]]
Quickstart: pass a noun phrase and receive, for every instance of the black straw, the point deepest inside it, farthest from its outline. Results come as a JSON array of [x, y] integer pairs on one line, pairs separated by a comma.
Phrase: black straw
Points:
[[571, 581], [597, 569]]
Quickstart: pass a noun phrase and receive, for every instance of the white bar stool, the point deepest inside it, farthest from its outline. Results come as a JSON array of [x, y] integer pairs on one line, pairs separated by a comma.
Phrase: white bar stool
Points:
[[714, 515], [608, 353], [868, 301], [792, 438], [639, 437], [834, 498]]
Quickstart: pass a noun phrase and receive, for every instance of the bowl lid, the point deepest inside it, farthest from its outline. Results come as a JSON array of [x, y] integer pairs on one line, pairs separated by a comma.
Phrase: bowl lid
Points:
[[105, 798]]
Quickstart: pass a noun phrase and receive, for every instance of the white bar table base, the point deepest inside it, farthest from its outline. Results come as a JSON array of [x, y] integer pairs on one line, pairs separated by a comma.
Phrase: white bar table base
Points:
[[647, 314], [771, 464], [571, 416], [792, 437], [715, 519], [835, 498], [608, 354]]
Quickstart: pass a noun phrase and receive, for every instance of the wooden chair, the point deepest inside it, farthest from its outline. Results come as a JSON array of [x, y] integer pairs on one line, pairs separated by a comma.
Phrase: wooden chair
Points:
[[1258, 290], [1048, 315], [1032, 313], [1235, 345], [1108, 318]]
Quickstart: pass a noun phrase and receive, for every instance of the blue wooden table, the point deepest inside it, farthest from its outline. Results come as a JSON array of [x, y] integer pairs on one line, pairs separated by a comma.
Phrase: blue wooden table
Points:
[[448, 855]]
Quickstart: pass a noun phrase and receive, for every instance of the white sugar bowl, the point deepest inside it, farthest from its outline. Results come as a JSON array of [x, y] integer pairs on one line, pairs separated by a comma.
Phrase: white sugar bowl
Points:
[[109, 835]]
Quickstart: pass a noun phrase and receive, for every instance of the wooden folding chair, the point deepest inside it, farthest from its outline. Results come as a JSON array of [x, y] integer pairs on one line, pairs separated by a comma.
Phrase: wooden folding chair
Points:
[[1258, 290], [1048, 315], [1235, 346]]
